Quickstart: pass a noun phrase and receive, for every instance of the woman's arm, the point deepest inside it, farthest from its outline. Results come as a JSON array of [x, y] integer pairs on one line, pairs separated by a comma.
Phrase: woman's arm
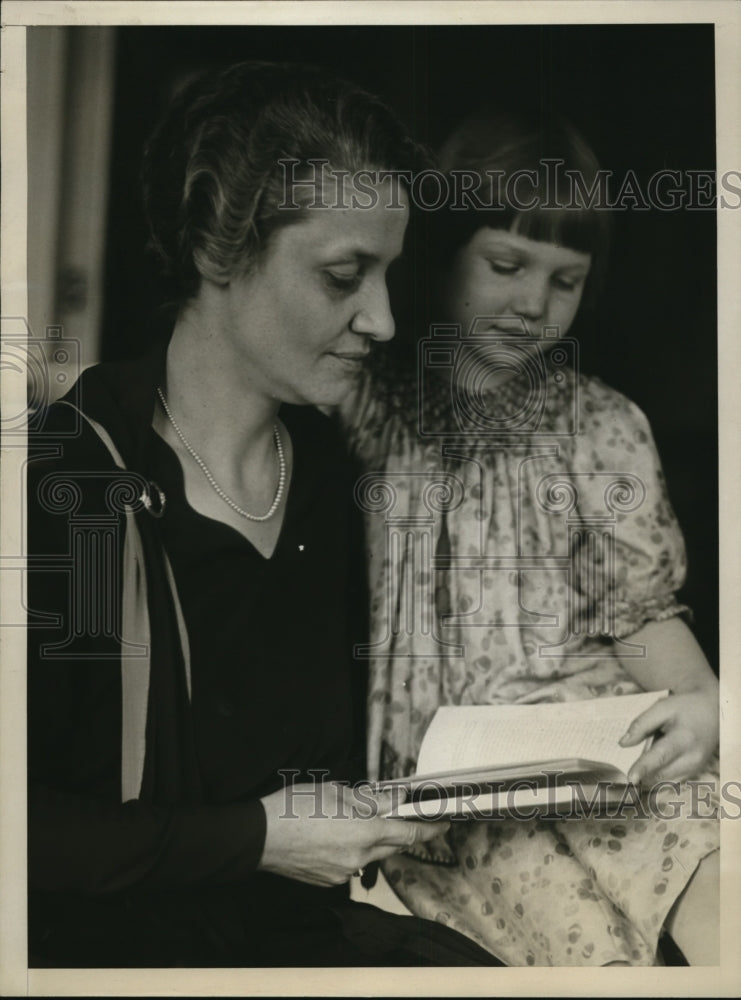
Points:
[[318, 834], [82, 844], [688, 720], [82, 839]]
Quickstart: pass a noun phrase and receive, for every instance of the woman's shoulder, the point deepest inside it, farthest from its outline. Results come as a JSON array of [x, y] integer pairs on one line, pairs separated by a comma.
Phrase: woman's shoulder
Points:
[[115, 397], [61, 437]]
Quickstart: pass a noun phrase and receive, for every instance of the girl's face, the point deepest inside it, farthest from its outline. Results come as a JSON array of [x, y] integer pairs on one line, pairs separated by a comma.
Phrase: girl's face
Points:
[[501, 277]]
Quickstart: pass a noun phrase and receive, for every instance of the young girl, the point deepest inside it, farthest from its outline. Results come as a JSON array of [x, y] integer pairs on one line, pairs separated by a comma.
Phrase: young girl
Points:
[[549, 479]]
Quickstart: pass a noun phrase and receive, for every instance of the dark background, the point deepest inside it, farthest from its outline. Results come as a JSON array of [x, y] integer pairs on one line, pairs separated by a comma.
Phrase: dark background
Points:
[[643, 95]]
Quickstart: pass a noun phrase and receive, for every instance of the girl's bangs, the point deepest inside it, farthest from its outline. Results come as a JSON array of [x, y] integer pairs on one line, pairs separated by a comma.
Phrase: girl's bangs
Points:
[[579, 229]]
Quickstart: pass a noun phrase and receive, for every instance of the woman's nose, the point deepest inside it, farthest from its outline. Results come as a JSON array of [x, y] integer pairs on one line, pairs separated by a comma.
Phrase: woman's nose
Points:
[[374, 317], [531, 297]]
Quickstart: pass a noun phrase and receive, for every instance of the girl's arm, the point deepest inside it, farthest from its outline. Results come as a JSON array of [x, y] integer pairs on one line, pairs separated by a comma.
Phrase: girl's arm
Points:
[[687, 721]]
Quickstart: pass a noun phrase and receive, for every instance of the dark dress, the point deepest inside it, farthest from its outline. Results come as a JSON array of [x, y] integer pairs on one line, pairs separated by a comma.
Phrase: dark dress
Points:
[[170, 878]]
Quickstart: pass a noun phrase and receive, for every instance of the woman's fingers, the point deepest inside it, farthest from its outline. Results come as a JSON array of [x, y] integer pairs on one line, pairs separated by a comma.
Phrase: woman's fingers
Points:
[[384, 801], [323, 834], [395, 835], [399, 833], [383, 839], [413, 832]]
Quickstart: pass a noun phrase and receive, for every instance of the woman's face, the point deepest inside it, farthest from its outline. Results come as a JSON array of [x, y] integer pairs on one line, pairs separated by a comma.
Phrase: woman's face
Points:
[[301, 322], [503, 277]]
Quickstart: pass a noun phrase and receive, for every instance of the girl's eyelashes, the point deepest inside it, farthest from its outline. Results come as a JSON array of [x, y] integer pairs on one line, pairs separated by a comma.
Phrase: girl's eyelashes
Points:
[[509, 268], [504, 266], [569, 283]]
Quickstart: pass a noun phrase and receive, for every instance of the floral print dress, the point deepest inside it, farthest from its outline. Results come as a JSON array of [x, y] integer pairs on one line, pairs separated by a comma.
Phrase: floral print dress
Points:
[[513, 550]]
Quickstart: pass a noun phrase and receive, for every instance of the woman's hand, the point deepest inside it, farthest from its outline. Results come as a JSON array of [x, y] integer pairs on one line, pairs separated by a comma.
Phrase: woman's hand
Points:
[[323, 833], [687, 735]]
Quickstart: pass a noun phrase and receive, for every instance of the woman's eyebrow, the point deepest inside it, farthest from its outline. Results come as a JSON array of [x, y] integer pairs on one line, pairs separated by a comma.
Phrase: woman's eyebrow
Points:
[[357, 255]]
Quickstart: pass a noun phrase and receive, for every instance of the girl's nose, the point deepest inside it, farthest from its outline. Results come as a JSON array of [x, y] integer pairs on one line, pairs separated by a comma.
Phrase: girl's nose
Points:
[[531, 297]]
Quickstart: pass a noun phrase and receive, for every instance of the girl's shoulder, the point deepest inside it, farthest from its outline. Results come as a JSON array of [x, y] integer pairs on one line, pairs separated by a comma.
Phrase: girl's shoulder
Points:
[[613, 431], [399, 412], [380, 409], [601, 408]]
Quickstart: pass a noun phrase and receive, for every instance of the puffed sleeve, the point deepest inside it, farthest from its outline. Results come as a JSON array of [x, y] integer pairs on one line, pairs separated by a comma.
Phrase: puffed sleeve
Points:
[[623, 500]]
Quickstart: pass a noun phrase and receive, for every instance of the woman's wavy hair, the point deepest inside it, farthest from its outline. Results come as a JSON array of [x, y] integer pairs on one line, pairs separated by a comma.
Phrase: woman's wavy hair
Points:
[[212, 178]]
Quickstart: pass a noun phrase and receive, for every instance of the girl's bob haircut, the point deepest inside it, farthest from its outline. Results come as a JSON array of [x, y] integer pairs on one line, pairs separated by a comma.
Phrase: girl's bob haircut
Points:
[[525, 171]]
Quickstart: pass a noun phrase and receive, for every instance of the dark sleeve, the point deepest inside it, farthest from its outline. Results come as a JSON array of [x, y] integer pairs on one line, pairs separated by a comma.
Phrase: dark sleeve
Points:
[[81, 838], [85, 845]]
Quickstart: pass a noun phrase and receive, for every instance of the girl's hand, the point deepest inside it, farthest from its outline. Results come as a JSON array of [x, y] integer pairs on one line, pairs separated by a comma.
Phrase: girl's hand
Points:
[[687, 735], [323, 833]]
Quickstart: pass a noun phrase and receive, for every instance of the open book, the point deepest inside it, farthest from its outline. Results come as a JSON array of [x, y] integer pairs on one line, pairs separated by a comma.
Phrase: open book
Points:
[[491, 759]]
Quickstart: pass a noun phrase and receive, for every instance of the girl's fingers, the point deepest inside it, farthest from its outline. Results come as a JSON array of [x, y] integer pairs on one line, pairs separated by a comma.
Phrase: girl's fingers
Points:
[[678, 769], [648, 722], [657, 758]]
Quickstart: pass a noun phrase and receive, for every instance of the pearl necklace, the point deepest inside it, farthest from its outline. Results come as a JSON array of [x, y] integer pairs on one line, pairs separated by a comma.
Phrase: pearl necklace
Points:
[[212, 482]]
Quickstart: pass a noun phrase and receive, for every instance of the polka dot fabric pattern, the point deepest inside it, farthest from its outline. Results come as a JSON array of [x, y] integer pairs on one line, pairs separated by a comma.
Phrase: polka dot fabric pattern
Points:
[[513, 568]]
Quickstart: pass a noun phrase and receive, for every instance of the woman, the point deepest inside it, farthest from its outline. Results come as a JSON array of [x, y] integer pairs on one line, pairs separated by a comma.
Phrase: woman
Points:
[[557, 559], [193, 718]]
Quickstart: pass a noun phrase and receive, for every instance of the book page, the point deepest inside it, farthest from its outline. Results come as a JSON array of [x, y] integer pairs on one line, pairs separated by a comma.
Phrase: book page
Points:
[[461, 737]]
